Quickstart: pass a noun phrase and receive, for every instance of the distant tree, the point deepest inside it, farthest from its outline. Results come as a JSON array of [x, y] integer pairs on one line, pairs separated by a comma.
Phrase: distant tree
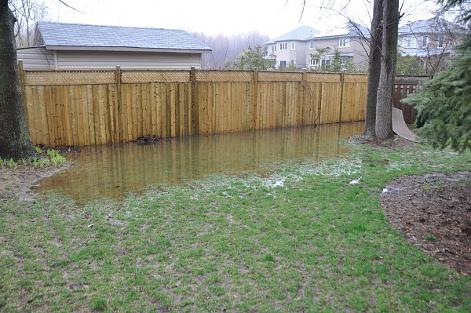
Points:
[[225, 49], [27, 13], [252, 59], [444, 103], [409, 65]]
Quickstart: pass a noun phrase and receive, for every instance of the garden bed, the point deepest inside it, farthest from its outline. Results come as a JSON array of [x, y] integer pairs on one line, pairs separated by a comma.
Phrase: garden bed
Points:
[[434, 212]]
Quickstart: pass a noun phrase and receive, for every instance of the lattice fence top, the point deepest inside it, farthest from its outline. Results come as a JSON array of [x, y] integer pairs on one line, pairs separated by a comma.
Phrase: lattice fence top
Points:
[[322, 78], [224, 76], [154, 76], [44, 78], [355, 78], [279, 77]]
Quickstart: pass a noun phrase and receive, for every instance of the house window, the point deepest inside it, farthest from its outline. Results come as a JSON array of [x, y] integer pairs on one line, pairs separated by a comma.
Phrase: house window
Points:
[[293, 46], [408, 42], [424, 41], [282, 65], [314, 62], [311, 44], [344, 42], [283, 46], [441, 42], [325, 61], [273, 48]]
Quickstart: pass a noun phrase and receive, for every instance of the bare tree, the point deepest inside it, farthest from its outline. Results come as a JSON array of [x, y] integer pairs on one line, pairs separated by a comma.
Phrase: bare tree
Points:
[[374, 68], [27, 13], [383, 124], [14, 135], [227, 48]]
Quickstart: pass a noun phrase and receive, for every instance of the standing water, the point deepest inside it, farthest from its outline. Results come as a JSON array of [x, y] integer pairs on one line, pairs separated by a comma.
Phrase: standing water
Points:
[[113, 171]]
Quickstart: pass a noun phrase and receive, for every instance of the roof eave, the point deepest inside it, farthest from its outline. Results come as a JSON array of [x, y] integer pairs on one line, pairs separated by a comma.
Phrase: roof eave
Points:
[[127, 49]]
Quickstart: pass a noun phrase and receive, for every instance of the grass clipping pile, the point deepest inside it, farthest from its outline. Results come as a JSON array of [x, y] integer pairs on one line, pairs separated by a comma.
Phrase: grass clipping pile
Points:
[[434, 213]]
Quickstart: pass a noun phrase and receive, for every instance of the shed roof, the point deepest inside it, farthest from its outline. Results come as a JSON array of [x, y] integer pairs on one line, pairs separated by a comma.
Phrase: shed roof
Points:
[[64, 36]]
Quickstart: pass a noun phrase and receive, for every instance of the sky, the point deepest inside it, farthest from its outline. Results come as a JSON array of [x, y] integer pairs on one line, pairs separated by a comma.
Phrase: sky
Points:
[[270, 17]]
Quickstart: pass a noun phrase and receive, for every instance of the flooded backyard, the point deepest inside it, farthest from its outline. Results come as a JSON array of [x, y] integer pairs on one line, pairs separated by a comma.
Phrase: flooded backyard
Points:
[[114, 171]]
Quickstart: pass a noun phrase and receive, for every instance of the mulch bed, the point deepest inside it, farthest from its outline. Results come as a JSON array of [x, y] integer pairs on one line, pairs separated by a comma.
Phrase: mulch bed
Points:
[[434, 213]]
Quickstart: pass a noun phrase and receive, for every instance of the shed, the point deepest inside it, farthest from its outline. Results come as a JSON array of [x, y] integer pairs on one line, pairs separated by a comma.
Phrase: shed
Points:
[[63, 46]]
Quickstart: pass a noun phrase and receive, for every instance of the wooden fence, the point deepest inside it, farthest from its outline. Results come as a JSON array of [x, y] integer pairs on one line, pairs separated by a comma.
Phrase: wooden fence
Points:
[[77, 108], [404, 86]]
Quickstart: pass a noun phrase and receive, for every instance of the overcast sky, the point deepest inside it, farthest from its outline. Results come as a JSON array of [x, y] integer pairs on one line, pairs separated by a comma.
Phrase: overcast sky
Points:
[[271, 17]]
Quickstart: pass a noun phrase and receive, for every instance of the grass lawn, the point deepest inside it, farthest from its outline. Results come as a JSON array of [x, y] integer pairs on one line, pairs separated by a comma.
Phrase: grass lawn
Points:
[[301, 239]]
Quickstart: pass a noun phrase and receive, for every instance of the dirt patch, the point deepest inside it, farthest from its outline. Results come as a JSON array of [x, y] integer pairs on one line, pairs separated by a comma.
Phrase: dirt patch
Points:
[[21, 181], [434, 212]]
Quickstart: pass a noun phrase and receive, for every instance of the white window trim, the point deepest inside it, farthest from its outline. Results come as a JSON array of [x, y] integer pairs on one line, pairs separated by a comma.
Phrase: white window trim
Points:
[[311, 44], [426, 41], [345, 41], [293, 46]]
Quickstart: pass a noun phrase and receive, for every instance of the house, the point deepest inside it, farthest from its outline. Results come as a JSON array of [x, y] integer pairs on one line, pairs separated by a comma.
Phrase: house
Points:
[[349, 44], [60, 46], [289, 50], [306, 48], [432, 41]]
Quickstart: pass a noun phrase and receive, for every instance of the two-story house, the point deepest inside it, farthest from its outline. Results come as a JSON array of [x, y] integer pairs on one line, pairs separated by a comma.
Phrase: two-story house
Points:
[[350, 44], [289, 50], [432, 41]]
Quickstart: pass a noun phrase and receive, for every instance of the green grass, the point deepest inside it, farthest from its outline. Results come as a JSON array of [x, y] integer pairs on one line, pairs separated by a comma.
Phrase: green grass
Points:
[[43, 158], [314, 244]]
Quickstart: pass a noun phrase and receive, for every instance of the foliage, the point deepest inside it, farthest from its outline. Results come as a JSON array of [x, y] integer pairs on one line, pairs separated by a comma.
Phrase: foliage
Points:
[[409, 65], [252, 59], [315, 244], [42, 158], [336, 64], [444, 104]]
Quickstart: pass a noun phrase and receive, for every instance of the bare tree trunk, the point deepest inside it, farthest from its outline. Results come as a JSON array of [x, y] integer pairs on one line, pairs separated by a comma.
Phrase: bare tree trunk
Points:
[[383, 126], [374, 68], [14, 135]]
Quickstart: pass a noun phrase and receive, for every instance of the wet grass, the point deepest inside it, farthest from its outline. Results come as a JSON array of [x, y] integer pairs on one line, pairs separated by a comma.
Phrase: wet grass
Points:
[[301, 240]]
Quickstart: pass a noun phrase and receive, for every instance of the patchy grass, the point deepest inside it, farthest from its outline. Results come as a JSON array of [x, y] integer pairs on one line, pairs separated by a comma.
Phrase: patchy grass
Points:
[[42, 159], [302, 240]]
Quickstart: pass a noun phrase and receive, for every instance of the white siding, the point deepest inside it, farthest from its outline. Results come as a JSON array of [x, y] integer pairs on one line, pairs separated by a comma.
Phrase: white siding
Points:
[[127, 60], [36, 58]]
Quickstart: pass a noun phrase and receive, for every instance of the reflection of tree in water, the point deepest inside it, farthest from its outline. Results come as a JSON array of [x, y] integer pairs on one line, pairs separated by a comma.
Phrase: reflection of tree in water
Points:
[[112, 171]]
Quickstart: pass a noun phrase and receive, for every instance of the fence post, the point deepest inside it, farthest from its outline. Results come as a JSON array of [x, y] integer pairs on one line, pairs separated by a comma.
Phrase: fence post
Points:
[[255, 99], [342, 82], [194, 103], [118, 135], [303, 102]]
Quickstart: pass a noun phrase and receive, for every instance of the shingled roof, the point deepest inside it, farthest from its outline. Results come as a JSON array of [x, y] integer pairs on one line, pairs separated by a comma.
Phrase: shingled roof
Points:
[[301, 33], [95, 37]]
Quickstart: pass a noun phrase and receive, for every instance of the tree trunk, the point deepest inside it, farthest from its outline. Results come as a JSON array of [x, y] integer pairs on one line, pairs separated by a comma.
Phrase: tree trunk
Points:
[[383, 126], [374, 68], [14, 135]]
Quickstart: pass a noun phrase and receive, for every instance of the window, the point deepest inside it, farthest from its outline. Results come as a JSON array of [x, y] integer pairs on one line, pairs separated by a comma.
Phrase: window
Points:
[[283, 46], [293, 46], [345, 59], [424, 41], [314, 62], [282, 65], [311, 44], [441, 42], [325, 61], [273, 48], [344, 42], [408, 42]]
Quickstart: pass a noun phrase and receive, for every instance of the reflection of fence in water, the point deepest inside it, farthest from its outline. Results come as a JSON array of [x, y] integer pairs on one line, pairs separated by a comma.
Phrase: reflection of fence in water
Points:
[[113, 170]]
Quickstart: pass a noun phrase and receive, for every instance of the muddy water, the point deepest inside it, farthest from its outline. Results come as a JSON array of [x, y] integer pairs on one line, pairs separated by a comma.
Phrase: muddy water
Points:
[[113, 171]]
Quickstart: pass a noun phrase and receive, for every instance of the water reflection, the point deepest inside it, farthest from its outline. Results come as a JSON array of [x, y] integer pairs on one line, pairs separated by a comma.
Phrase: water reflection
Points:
[[112, 171]]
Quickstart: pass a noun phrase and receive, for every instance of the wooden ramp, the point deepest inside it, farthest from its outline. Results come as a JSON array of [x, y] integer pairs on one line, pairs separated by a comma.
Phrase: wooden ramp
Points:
[[400, 126]]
